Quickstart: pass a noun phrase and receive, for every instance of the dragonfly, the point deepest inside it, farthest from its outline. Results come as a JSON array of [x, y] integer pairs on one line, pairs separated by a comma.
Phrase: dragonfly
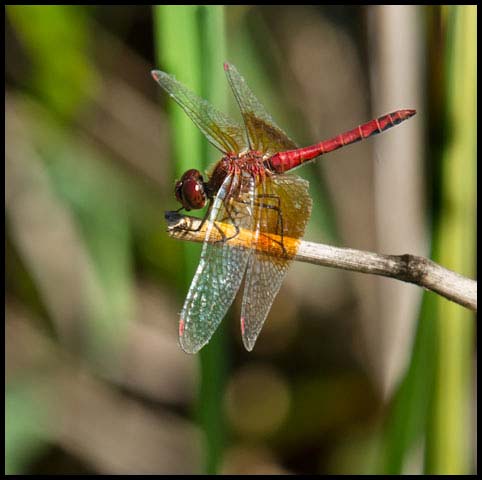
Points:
[[248, 189]]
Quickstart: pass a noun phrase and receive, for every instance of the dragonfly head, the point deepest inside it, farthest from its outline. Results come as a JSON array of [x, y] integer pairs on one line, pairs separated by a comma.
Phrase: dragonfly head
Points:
[[190, 190]]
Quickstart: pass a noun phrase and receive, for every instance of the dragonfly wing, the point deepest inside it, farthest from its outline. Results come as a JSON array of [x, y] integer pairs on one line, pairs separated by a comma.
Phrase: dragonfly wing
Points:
[[263, 133], [225, 134], [282, 204], [221, 268]]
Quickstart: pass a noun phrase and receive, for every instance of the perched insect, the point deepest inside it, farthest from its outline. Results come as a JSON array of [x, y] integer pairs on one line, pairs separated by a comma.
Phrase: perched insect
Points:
[[248, 189]]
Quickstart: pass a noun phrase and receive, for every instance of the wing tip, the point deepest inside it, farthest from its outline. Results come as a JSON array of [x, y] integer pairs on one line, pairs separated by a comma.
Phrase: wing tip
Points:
[[156, 75], [229, 67], [187, 343], [189, 348], [248, 343]]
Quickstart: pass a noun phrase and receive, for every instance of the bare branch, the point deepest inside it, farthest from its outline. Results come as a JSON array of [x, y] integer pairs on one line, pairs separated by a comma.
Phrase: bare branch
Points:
[[408, 268]]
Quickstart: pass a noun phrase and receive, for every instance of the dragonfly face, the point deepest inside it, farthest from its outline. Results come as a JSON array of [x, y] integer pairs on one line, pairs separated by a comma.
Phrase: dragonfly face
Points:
[[190, 190]]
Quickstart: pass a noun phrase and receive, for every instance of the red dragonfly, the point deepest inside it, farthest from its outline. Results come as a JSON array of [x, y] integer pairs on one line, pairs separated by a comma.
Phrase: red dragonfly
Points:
[[247, 190]]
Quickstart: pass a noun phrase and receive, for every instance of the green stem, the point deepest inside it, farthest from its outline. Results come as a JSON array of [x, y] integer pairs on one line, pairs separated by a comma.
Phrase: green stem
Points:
[[191, 45], [213, 356], [451, 418], [432, 406]]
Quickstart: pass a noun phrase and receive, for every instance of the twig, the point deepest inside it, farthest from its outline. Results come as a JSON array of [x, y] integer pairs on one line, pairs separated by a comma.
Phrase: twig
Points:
[[408, 268]]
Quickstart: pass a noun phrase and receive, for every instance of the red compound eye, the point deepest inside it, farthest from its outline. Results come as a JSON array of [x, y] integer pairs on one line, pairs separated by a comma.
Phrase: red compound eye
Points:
[[190, 190], [178, 191]]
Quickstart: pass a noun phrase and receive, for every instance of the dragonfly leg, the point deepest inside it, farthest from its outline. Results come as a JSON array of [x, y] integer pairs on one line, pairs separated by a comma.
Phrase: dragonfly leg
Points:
[[279, 215], [230, 217], [206, 216], [277, 208], [203, 221]]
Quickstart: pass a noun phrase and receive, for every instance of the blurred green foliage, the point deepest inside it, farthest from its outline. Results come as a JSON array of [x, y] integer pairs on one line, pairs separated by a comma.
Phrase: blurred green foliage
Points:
[[451, 418], [198, 33], [25, 440], [431, 406], [63, 80]]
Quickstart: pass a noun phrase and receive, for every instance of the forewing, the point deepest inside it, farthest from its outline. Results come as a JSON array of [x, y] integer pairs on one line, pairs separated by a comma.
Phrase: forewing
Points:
[[286, 195], [225, 134], [220, 269], [263, 133]]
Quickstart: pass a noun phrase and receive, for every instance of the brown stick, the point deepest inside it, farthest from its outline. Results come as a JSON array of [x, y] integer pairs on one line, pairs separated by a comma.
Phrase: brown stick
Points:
[[408, 268]]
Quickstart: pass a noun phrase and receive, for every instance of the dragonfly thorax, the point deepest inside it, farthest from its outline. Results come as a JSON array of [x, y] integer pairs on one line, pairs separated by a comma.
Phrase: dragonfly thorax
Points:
[[191, 190]]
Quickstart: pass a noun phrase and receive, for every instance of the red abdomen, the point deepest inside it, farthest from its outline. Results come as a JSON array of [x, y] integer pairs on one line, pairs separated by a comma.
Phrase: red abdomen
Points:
[[284, 161]]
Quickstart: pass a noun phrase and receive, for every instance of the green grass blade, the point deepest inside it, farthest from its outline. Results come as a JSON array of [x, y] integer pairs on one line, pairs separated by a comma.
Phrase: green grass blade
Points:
[[213, 356], [451, 422], [405, 425], [191, 45], [432, 406]]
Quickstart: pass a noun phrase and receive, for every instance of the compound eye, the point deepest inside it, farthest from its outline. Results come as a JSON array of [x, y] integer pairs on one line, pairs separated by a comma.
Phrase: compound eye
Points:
[[193, 193], [178, 192], [190, 191]]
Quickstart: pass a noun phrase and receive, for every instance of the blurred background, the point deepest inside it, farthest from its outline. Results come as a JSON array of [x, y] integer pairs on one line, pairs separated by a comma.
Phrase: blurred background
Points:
[[352, 374]]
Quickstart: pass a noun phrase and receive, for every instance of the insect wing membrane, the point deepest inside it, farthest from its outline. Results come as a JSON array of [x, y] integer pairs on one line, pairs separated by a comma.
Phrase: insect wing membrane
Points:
[[263, 133], [282, 204], [221, 268], [225, 134]]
